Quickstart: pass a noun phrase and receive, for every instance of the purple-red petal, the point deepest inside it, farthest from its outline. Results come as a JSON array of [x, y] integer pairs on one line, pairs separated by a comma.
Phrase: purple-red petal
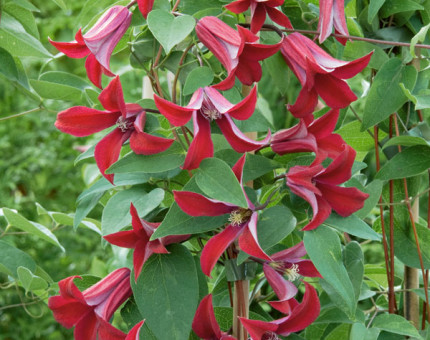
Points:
[[198, 205], [204, 322]]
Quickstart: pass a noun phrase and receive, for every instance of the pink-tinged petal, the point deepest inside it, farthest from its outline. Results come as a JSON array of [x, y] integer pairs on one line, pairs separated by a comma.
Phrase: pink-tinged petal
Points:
[[221, 30], [198, 205], [285, 307], [112, 97], [307, 268], [107, 151], [304, 314], [353, 67], [283, 289], [83, 121], [238, 168], [295, 145], [143, 143], [196, 100], [145, 6], [202, 146], [257, 328], [302, 176], [344, 201], [67, 312], [238, 6], [216, 246], [239, 141], [245, 108], [175, 114], [339, 171], [319, 216], [108, 332], [298, 131], [258, 17], [334, 91], [227, 83], [124, 239], [74, 49], [94, 70], [86, 328], [68, 289], [248, 241], [204, 322], [174, 239], [290, 253], [325, 23], [216, 99], [339, 21], [248, 71], [279, 17], [135, 332], [157, 247], [305, 104]]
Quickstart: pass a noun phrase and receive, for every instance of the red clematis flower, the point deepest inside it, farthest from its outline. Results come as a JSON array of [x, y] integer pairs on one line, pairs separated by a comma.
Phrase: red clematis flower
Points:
[[299, 315], [311, 135], [207, 105], [320, 74], [90, 311], [139, 239], [332, 13], [145, 6], [98, 43], [242, 223], [129, 120], [319, 186], [135, 332], [237, 50], [259, 8], [204, 323]]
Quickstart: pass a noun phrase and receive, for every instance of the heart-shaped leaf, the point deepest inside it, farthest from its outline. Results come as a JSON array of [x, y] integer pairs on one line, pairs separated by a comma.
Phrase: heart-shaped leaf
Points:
[[167, 29]]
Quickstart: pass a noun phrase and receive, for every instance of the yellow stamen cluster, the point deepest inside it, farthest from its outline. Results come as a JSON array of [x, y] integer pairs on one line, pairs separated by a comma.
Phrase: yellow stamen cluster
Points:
[[122, 124], [239, 216], [212, 114], [293, 272]]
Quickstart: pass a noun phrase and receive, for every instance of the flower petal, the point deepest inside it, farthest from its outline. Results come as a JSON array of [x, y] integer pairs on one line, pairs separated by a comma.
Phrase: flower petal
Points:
[[238, 6], [175, 114], [283, 289], [305, 104], [238, 168], [248, 71], [143, 143], [216, 246], [86, 328], [135, 331], [108, 332], [124, 239], [344, 201], [198, 205], [74, 49], [246, 107], [258, 17], [248, 241], [67, 312], [257, 328], [145, 6], [339, 171], [279, 17], [325, 23], [204, 322], [334, 91], [319, 216], [290, 253], [94, 70], [112, 97]]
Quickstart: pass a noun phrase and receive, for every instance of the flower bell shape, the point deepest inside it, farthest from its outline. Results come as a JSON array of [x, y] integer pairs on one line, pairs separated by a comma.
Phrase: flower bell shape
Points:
[[98, 43], [319, 186], [129, 122], [237, 50], [320, 74], [139, 239], [259, 9], [242, 223], [90, 311], [206, 105], [204, 323], [299, 316], [332, 13]]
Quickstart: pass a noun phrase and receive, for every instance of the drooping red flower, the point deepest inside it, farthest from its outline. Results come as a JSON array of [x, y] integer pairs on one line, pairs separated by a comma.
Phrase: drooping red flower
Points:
[[98, 43], [206, 105], [139, 239], [204, 323], [129, 120], [320, 74], [319, 186], [311, 135], [145, 6], [258, 12], [90, 311], [242, 223], [299, 316], [237, 50], [332, 13]]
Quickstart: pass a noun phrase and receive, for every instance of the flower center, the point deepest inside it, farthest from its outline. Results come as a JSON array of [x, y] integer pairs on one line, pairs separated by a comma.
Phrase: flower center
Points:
[[269, 336], [123, 124], [292, 273], [239, 216], [210, 113]]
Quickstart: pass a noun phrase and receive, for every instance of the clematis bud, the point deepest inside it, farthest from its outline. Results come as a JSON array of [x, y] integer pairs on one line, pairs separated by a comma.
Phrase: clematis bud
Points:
[[332, 13]]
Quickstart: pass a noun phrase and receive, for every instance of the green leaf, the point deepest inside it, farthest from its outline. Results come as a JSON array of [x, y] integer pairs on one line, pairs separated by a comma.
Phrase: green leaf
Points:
[[224, 317], [20, 222], [60, 86], [352, 225], [170, 159], [360, 48], [216, 179], [193, 6], [167, 293], [397, 6], [11, 258], [85, 205], [340, 332], [278, 71], [61, 4], [116, 214], [30, 281], [374, 190], [419, 37], [15, 39], [176, 222], [374, 7], [406, 141], [199, 77], [7, 65], [361, 332], [26, 4], [394, 323], [386, 96], [354, 263], [323, 248], [410, 162], [168, 29], [24, 16]]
